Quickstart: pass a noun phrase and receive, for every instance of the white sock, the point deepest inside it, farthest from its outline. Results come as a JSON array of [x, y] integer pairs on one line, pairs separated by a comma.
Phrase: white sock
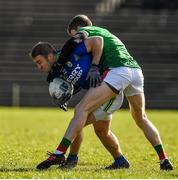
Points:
[[58, 152], [162, 160]]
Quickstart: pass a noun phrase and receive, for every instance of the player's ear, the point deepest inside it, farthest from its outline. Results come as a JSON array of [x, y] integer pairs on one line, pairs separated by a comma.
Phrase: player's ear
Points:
[[51, 57]]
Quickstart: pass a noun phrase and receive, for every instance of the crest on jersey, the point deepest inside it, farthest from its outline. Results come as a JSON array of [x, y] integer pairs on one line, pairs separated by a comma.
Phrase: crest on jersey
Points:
[[69, 64]]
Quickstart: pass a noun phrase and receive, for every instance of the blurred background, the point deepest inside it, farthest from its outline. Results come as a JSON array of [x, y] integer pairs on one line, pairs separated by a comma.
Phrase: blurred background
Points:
[[148, 28]]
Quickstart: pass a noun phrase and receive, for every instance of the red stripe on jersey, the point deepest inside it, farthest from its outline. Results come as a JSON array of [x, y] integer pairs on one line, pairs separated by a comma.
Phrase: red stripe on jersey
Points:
[[104, 74]]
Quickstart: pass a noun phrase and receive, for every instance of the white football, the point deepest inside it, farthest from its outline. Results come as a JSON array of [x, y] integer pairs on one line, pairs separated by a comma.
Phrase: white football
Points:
[[59, 87]]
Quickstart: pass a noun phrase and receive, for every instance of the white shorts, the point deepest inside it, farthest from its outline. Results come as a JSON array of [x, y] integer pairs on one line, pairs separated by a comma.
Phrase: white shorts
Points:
[[128, 80], [124, 80], [105, 111]]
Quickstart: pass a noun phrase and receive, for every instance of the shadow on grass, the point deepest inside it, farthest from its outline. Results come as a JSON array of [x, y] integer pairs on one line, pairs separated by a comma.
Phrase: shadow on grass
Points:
[[81, 168], [17, 169]]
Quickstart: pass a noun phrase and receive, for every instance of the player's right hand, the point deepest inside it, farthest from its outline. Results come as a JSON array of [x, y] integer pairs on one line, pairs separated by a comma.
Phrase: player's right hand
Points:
[[94, 76]]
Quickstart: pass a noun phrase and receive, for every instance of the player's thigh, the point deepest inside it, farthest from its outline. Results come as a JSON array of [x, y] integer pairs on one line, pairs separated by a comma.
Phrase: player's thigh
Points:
[[104, 112], [90, 120], [113, 104], [137, 106], [101, 126], [95, 97], [102, 116]]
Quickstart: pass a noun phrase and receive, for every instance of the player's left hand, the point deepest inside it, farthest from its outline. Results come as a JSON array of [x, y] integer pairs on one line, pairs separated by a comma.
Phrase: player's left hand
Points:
[[94, 76]]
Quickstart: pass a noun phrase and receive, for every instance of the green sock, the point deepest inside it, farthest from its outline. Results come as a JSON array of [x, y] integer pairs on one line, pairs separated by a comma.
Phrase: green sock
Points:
[[160, 151], [63, 146]]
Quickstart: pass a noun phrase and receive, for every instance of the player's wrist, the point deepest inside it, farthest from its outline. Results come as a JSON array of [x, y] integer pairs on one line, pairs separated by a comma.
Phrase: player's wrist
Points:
[[95, 65]]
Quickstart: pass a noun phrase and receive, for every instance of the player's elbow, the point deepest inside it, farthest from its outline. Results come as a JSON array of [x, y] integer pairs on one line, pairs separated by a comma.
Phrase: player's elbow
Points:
[[98, 41], [94, 43]]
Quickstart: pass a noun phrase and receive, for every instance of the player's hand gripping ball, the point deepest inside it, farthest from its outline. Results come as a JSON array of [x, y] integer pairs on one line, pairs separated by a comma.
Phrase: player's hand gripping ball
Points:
[[60, 90]]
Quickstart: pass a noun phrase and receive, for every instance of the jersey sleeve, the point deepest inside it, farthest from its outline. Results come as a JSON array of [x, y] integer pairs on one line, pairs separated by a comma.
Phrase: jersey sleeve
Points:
[[80, 49], [69, 47]]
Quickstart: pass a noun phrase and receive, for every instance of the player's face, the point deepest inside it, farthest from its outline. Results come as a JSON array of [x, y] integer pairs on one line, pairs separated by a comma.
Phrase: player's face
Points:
[[42, 63]]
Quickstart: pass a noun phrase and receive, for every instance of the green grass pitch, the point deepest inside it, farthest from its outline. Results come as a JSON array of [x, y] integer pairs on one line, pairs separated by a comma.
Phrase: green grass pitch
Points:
[[27, 133]]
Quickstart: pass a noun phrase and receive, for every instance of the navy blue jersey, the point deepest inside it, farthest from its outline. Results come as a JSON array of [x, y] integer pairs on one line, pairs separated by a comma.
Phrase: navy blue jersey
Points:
[[77, 67]]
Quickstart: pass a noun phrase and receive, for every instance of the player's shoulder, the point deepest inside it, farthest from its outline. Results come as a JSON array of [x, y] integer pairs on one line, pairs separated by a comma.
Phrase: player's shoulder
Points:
[[92, 30]]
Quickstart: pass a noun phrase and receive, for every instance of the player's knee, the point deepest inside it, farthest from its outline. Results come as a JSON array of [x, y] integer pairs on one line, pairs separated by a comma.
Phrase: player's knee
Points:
[[101, 133], [79, 108], [141, 120]]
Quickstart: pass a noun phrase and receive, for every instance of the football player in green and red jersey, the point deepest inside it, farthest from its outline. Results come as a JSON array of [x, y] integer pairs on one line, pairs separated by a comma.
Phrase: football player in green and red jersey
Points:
[[123, 74]]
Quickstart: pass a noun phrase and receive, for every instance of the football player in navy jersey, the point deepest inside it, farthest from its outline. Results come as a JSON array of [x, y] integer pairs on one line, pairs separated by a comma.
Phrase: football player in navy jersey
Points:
[[75, 71]]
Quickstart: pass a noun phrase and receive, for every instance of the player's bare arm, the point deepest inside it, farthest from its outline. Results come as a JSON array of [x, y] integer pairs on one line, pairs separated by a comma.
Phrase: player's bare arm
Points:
[[95, 46]]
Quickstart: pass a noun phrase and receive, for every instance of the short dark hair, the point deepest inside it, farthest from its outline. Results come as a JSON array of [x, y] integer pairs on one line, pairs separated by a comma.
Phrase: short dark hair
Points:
[[78, 20], [42, 48]]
